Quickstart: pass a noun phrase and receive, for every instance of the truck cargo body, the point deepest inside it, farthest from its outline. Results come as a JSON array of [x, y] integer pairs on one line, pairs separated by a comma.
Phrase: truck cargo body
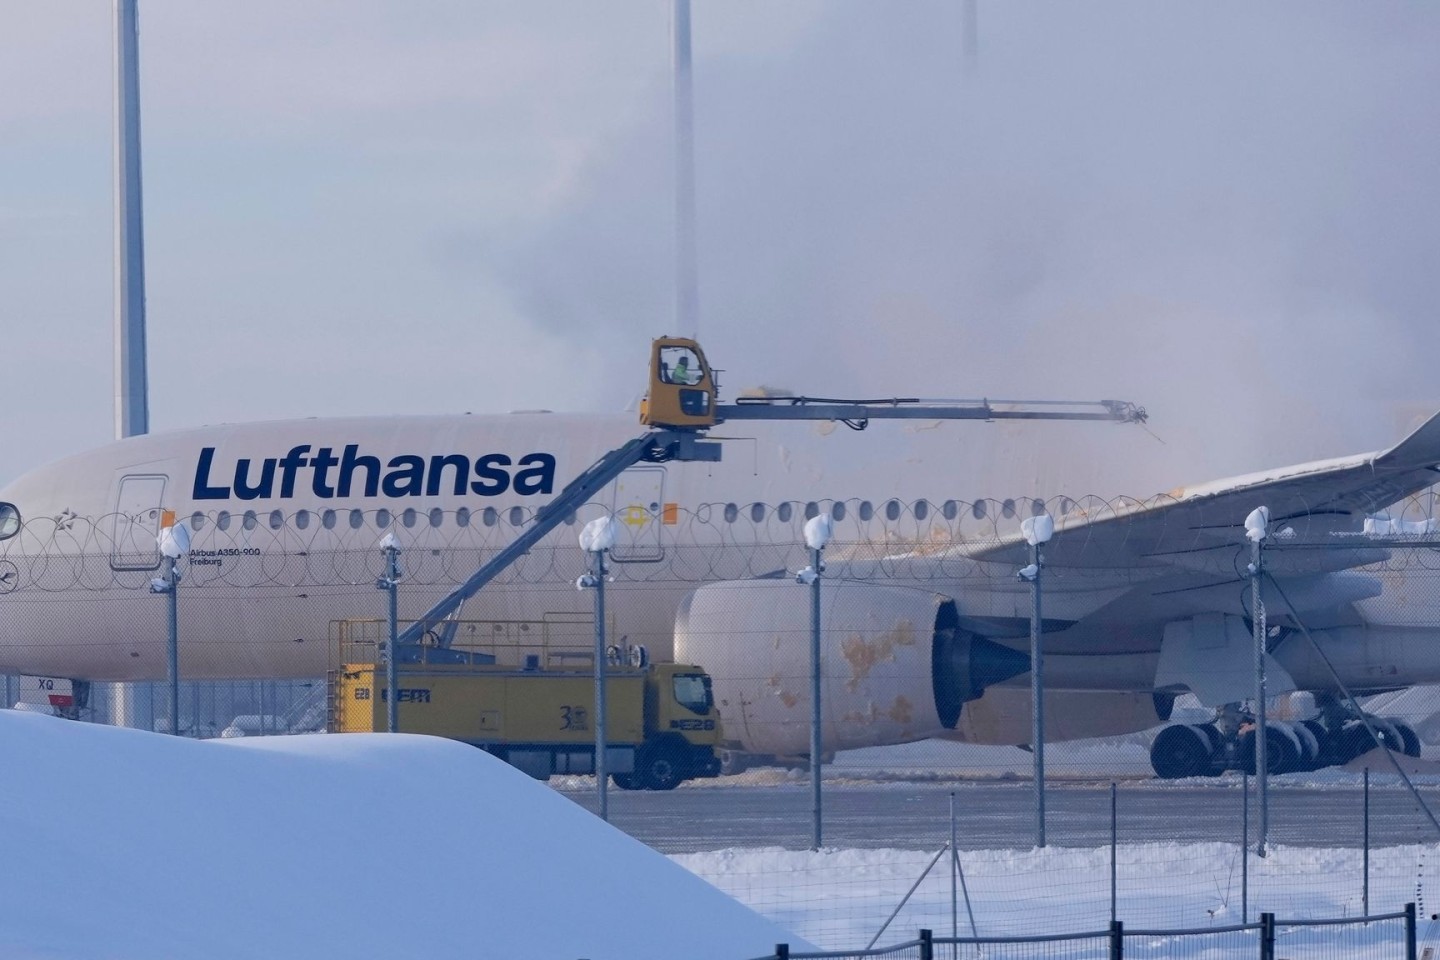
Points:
[[661, 723]]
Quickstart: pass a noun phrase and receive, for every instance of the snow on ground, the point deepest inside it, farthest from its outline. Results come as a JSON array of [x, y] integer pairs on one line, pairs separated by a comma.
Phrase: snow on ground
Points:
[[124, 844], [840, 898]]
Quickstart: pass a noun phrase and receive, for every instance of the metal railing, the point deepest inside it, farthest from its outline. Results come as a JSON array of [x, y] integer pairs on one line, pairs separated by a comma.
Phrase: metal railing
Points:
[[1241, 940]]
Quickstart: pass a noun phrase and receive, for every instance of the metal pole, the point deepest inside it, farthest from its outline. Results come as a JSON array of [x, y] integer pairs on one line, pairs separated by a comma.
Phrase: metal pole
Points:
[[602, 791], [1244, 847], [1037, 700], [172, 666], [1365, 888], [687, 296], [1114, 842], [1262, 762], [970, 36], [954, 876], [132, 414], [392, 677], [815, 716]]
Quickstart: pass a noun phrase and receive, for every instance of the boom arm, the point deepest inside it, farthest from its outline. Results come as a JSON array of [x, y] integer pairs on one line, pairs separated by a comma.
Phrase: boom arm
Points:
[[653, 446], [857, 413]]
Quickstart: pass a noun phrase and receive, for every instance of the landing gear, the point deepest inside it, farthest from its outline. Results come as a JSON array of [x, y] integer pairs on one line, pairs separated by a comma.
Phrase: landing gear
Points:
[[1334, 738], [1185, 750]]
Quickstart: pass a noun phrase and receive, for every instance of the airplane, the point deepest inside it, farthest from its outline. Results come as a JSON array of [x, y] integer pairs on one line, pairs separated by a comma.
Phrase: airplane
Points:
[[926, 625]]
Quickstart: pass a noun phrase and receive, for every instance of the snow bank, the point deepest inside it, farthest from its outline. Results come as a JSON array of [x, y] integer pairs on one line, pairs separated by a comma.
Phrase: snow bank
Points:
[[126, 844], [839, 898]]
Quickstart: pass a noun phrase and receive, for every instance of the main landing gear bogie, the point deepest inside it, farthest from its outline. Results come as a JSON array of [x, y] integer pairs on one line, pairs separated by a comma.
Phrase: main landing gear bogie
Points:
[[1204, 750]]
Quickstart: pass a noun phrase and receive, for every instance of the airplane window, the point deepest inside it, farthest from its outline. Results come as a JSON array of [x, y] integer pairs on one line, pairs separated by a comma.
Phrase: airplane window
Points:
[[462, 517], [1007, 509], [950, 510], [517, 516], [9, 521], [892, 510], [922, 509], [197, 520], [249, 520], [437, 517], [357, 519], [837, 511], [731, 512], [408, 517], [277, 519], [812, 509], [302, 519], [977, 509], [490, 517], [867, 510], [782, 512], [222, 520], [327, 519], [757, 512], [1037, 507], [382, 518]]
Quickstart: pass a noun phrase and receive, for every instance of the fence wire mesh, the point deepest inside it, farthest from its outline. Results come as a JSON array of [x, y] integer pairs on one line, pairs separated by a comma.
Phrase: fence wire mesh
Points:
[[281, 594]]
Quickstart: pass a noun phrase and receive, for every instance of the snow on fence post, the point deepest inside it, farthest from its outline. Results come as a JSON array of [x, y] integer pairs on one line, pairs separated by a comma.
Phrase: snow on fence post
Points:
[[597, 537], [1256, 529], [390, 547]]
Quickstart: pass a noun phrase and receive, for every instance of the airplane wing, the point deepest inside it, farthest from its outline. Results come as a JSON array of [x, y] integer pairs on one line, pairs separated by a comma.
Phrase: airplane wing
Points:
[[1202, 527]]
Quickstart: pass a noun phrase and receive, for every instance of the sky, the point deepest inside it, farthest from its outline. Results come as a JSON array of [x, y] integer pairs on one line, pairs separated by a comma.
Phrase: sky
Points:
[[1226, 213]]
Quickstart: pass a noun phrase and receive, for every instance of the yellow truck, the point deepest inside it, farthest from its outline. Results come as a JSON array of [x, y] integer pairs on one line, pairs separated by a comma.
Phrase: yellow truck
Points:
[[661, 727]]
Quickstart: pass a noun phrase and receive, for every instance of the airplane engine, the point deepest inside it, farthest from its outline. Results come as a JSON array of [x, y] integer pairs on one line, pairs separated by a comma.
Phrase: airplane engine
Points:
[[895, 665]]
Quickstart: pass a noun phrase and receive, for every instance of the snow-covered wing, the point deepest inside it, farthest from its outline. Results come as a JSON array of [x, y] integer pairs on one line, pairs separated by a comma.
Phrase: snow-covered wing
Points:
[[1194, 526]]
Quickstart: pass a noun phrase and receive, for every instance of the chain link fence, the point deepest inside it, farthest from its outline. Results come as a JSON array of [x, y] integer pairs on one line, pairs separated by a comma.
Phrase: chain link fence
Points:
[[927, 634]]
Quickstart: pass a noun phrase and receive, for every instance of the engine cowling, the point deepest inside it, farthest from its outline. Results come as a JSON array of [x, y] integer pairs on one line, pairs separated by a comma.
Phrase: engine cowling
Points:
[[894, 663]]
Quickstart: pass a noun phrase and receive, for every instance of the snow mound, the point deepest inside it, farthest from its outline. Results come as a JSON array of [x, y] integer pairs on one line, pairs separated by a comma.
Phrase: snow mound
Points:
[[129, 844]]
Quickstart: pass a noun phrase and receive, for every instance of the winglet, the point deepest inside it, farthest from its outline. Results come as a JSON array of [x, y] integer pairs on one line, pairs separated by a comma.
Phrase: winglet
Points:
[[1420, 449]]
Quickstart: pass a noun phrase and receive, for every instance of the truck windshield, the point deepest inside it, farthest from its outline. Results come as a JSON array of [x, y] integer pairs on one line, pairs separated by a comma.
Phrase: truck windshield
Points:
[[692, 691]]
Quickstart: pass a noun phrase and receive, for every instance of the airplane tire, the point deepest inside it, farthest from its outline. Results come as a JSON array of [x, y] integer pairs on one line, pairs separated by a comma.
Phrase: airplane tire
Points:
[[1181, 750], [1410, 742], [1282, 751]]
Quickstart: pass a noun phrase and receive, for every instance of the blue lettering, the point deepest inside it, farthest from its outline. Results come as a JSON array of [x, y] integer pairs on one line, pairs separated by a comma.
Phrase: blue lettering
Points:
[[348, 462], [203, 490], [353, 474], [244, 490], [437, 464], [538, 475], [406, 481], [491, 481], [323, 460]]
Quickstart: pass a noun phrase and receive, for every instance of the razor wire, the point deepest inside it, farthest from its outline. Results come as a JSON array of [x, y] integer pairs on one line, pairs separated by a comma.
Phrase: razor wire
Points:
[[919, 540]]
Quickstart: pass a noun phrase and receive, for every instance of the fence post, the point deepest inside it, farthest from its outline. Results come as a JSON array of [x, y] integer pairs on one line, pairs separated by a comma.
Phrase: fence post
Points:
[[1409, 931], [1365, 882], [1117, 940], [1114, 841], [1267, 936], [927, 945], [782, 951]]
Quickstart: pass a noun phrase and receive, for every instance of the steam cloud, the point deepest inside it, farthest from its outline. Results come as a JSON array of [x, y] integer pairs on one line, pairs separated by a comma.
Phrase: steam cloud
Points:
[[1227, 213]]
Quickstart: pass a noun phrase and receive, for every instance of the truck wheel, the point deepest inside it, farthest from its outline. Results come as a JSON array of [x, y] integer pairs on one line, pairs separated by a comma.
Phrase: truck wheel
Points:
[[661, 766], [625, 781]]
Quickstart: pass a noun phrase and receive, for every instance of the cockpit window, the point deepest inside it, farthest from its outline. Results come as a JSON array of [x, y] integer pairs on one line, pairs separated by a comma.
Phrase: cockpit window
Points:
[[679, 365], [692, 691], [9, 521]]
